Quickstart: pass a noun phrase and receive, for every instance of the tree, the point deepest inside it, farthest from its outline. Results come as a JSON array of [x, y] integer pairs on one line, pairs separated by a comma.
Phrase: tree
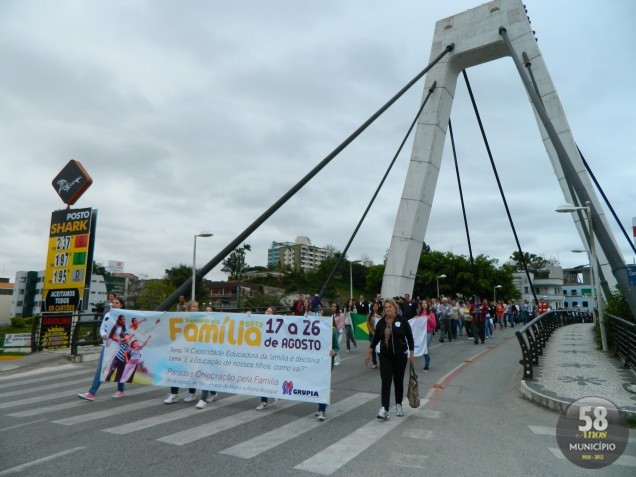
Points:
[[154, 292], [177, 276], [235, 263], [535, 263]]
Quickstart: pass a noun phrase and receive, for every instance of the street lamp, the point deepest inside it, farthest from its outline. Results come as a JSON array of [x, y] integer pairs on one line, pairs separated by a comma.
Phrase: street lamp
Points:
[[437, 279], [494, 293], [351, 278], [568, 208], [194, 259]]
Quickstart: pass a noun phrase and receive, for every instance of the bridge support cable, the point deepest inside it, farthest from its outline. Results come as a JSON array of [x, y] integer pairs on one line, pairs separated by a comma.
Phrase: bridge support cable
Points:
[[612, 254], [203, 271], [461, 198], [607, 202], [501, 191], [377, 191], [607, 291]]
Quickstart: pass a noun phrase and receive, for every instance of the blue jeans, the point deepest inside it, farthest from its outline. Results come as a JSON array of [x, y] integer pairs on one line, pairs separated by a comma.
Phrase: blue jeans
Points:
[[97, 380], [489, 327], [427, 357]]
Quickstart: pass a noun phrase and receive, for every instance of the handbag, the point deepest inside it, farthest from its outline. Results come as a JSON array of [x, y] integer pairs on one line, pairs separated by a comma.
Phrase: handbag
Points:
[[413, 393]]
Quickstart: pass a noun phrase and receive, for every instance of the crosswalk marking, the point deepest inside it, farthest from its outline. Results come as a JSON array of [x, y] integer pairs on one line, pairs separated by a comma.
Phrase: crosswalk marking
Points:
[[269, 440], [173, 416], [330, 459], [22, 375], [55, 376], [211, 428], [74, 401], [410, 461], [116, 411], [20, 468], [37, 389], [419, 434], [543, 431]]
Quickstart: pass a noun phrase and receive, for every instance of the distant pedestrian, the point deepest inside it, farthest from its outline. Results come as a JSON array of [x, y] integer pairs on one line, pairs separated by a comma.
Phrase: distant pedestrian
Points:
[[372, 320], [104, 331], [362, 306], [348, 325], [430, 331]]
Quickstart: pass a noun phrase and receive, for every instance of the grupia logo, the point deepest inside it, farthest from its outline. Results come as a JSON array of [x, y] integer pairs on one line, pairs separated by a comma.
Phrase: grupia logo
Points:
[[288, 387]]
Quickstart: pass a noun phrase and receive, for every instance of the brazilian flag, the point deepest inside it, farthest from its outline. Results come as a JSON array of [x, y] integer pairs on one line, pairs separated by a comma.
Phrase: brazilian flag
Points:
[[360, 330]]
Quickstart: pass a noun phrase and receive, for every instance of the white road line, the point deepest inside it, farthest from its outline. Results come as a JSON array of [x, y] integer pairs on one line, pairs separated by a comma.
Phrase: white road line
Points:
[[20, 468], [543, 431], [73, 394], [269, 440], [173, 416], [49, 409], [37, 371], [36, 390], [410, 461], [332, 458], [52, 376], [211, 428], [93, 416], [20, 425]]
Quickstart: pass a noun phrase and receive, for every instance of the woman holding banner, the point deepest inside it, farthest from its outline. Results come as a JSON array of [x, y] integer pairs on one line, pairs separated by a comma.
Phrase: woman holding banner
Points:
[[393, 334], [105, 330]]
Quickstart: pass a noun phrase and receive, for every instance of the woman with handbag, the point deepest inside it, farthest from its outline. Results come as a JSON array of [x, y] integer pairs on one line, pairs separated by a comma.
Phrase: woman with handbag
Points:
[[393, 334]]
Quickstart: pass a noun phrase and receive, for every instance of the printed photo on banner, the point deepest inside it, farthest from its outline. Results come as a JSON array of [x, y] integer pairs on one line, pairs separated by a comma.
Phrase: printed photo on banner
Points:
[[285, 357]]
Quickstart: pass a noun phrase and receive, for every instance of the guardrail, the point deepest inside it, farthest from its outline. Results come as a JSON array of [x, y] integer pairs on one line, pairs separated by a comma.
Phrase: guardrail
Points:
[[534, 336], [622, 340]]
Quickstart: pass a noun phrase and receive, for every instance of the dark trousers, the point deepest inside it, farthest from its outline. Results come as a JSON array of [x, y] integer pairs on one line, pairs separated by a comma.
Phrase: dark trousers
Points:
[[392, 369], [447, 332], [373, 354], [350, 338], [479, 331]]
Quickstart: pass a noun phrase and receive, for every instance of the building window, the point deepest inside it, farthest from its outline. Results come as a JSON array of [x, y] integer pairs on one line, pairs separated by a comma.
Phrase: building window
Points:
[[20, 303], [575, 304], [525, 290], [585, 304], [573, 292]]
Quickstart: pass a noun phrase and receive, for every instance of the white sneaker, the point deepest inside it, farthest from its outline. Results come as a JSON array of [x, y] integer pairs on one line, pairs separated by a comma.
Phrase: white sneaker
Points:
[[398, 410], [171, 398], [261, 406], [211, 398], [189, 398], [382, 414], [321, 415], [201, 404]]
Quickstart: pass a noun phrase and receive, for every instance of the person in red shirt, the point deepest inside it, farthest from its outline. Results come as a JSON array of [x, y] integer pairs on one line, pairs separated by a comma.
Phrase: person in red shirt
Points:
[[479, 311], [501, 311]]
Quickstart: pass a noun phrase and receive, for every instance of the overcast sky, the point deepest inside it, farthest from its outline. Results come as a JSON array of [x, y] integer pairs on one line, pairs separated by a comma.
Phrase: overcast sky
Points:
[[197, 116]]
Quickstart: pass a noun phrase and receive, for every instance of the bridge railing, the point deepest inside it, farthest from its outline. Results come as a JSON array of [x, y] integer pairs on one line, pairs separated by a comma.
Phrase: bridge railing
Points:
[[622, 339], [534, 336]]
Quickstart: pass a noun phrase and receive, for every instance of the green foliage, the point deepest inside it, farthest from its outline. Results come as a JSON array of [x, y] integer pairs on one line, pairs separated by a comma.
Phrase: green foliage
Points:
[[155, 292], [18, 322], [617, 306], [100, 269], [235, 264], [373, 280], [535, 263]]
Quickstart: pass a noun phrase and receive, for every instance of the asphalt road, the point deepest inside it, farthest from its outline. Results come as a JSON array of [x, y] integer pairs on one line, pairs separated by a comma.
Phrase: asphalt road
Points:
[[474, 421]]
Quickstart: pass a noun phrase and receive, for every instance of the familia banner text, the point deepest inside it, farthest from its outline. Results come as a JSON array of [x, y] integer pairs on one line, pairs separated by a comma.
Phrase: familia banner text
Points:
[[286, 357]]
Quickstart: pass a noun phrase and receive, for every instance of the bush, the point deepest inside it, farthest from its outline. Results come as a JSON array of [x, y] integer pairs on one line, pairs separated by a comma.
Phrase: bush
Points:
[[18, 322]]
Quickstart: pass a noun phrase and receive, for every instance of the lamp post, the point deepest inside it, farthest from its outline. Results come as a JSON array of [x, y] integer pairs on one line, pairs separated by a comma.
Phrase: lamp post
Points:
[[494, 294], [437, 279], [351, 278], [194, 259], [568, 208]]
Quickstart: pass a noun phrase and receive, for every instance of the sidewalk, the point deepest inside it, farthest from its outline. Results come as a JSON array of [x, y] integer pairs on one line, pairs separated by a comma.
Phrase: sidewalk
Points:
[[572, 367]]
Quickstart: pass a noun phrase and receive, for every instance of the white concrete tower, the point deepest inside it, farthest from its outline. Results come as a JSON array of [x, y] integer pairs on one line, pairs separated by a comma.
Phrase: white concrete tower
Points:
[[477, 40]]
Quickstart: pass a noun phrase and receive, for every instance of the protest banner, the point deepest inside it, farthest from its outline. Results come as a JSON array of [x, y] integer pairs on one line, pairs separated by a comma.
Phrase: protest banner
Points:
[[284, 357]]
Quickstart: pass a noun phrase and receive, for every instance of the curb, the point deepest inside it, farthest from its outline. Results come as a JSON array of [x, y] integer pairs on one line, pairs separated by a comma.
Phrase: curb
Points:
[[555, 404]]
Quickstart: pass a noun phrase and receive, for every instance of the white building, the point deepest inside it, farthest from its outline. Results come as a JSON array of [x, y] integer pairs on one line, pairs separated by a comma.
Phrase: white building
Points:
[[27, 293], [300, 255]]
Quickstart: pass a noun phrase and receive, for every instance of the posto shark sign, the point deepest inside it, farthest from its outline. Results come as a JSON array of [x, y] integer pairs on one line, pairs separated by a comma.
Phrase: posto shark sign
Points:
[[71, 238]]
